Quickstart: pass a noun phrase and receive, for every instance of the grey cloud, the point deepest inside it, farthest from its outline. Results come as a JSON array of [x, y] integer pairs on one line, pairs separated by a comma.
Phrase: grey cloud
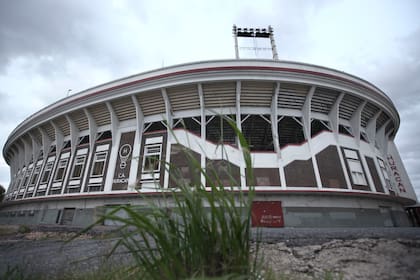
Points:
[[400, 80], [62, 29], [33, 28], [8, 115]]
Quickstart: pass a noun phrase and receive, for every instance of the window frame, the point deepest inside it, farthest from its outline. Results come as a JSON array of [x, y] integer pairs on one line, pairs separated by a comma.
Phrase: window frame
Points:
[[35, 175], [79, 163], [384, 172], [61, 165], [150, 154], [95, 161], [48, 168], [358, 176]]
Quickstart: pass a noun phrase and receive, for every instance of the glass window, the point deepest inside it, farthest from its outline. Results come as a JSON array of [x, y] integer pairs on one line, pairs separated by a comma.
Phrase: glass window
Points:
[[79, 162], [47, 172], [99, 163], [384, 172], [357, 172], [151, 161], [61, 169], [35, 175], [26, 180], [356, 169]]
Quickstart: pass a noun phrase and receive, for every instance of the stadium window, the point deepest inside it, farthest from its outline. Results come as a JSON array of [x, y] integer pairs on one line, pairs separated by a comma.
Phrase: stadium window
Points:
[[26, 180], [290, 131], [99, 164], [191, 124], [364, 137], [257, 132], [19, 180], [84, 140], [60, 169], [154, 126], [67, 144], [104, 135], [356, 170], [151, 160], [35, 175], [346, 130], [47, 172], [78, 166], [218, 130], [318, 126], [384, 172]]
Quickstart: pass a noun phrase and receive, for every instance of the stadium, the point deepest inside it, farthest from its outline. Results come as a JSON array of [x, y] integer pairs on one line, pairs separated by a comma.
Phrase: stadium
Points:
[[321, 143]]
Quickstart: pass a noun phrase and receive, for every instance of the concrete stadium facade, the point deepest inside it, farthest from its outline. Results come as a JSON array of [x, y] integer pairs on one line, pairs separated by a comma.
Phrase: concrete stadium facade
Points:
[[321, 143]]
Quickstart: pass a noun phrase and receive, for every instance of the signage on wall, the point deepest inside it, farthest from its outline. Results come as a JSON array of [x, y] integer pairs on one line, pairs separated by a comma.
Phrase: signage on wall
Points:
[[267, 214], [125, 155], [396, 174]]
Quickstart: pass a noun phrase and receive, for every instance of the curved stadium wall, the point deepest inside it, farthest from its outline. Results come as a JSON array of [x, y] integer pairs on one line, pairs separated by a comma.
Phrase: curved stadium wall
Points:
[[321, 143]]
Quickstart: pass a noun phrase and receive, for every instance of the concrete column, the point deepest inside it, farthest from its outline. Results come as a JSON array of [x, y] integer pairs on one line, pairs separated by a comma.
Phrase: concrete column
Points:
[[74, 134], [59, 138], [275, 133], [239, 126], [203, 131], [137, 142], [36, 146], [115, 123], [333, 115], [355, 122], [93, 128], [381, 138], [169, 120], [371, 129], [46, 141]]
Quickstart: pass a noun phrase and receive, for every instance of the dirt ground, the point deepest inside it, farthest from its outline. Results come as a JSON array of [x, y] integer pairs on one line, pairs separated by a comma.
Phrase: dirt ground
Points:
[[364, 258], [290, 253]]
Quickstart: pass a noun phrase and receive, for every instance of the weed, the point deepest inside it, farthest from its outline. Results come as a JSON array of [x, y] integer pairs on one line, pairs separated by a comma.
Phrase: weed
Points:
[[24, 229], [13, 273]]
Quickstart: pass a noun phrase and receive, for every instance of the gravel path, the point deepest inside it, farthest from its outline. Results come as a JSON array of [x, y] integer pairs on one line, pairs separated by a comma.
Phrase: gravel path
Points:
[[356, 253], [53, 257]]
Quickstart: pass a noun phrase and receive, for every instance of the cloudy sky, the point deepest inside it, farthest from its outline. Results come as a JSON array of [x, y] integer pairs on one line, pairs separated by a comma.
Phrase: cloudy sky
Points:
[[50, 46]]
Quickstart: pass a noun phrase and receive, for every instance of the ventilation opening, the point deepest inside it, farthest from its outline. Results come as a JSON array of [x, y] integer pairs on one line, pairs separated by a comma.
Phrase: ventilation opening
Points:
[[84, 140], [191, 124], [318, 126], [53, 149], [364, 137], [154, 126], [104, 135], [257, 132], [346, 130], [67, 144], [219, 131], [290, 131]]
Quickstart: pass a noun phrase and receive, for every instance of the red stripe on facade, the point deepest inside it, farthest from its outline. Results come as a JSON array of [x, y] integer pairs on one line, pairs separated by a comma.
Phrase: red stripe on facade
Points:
[[403, 200]]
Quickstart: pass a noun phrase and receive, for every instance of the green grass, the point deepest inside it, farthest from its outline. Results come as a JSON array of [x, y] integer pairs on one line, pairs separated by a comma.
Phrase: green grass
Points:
[[193, 232]]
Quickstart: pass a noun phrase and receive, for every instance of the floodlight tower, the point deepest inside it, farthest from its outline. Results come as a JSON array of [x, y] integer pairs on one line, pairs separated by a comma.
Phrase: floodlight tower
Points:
[[255, 33]]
